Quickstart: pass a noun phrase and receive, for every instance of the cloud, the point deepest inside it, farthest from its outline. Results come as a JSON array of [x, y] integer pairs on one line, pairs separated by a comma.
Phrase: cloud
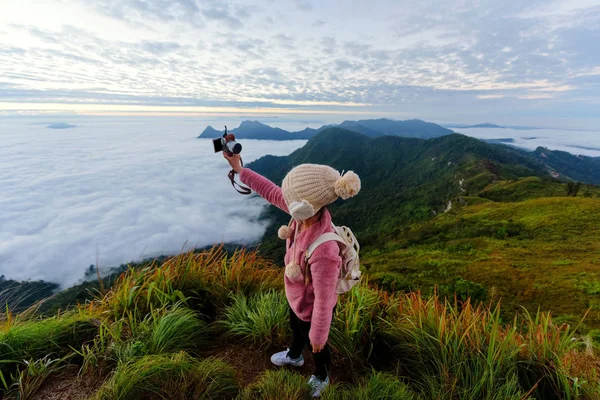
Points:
[[491, 96], [160, 48], [208, 51], [130, 189], [165, 10], [574, 142], [285, 41], [222, 13], [329, 44], [303, 5]]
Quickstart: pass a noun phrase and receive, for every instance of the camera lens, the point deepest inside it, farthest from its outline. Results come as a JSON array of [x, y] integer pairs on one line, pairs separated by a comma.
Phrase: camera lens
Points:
[[237, 148]]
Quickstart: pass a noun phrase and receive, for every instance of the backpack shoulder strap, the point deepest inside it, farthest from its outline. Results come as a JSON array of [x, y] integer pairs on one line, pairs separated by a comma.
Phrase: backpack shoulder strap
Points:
[[325, 237]]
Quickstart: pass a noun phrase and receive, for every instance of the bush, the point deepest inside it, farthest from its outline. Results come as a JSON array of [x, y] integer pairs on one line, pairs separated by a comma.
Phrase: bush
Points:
[[176, 329], [175, 377], [391, 282], [466, 352], [464, 290], [51, 336], [355, 323], [203, 281], [263, 319], [161, 331], [550, 360], [278, 385], [42, 339]]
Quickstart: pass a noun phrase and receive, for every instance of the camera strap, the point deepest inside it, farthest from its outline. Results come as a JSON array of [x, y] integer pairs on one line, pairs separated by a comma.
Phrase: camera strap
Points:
[[242, 189]]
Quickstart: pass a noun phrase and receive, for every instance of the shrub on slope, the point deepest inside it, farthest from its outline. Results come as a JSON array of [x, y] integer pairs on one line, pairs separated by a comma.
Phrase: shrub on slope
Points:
[[263, 318], [161, 331], [47, 339], [170, 377]]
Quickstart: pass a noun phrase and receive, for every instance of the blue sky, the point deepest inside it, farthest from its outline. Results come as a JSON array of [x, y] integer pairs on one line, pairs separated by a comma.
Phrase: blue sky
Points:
[[520, 62]]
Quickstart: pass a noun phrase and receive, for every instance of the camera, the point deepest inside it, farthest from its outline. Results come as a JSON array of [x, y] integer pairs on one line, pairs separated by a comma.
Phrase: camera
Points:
[[227, 144]]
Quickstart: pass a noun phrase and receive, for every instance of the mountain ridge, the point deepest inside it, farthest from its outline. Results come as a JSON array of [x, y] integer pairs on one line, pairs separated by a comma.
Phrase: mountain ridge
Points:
[[416, 178], [371, 128]]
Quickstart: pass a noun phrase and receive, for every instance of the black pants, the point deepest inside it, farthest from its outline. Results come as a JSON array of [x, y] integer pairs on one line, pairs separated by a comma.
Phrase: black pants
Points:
[[300, 330]]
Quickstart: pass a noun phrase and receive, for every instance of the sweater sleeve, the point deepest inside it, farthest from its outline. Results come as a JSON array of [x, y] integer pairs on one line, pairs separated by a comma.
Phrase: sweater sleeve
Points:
[[264, 187], [325, 271]]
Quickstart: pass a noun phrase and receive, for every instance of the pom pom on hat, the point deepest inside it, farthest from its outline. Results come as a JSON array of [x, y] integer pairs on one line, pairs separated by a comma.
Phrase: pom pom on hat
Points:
[[347, 186], [284, 232]]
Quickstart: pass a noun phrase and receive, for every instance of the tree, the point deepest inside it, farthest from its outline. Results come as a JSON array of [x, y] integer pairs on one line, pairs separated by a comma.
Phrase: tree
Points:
[[573, 189]]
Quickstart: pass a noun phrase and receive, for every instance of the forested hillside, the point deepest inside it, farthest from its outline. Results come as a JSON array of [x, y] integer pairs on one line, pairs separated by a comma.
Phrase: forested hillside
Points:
[[456, 214]]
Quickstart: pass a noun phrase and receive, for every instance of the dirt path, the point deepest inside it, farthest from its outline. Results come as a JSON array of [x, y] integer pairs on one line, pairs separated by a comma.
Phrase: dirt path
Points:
[[251, 362], [67, 386]]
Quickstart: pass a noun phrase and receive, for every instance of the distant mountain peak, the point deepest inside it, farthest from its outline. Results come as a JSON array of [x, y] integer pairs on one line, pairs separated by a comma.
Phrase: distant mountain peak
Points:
[[253, 124], [210, 132]]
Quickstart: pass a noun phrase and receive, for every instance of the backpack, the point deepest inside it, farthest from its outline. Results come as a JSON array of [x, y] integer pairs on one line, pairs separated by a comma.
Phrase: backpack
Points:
[[350, 269]]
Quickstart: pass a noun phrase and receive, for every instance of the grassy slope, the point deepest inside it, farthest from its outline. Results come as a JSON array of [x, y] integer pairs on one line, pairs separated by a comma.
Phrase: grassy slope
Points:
[[537, 253], [153, 337], [532, 187]]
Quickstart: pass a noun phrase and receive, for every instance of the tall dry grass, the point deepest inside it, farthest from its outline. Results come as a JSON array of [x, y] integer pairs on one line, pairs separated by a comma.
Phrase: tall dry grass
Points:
[[203, 281], [467, 352]]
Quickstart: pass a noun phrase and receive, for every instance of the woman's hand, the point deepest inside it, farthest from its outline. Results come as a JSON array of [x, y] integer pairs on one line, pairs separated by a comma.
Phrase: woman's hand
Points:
[[235, 161], [317, 347]]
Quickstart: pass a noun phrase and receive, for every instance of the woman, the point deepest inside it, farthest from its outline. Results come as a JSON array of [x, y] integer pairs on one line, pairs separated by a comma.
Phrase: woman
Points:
[[310, 290]]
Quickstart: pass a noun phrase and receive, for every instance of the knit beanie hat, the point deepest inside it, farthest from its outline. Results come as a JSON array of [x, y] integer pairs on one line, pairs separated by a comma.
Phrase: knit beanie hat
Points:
[[306, 189], [309, 187]]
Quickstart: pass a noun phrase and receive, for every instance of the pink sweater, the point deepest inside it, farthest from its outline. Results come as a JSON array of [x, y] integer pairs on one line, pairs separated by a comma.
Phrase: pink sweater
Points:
[[313, 302]]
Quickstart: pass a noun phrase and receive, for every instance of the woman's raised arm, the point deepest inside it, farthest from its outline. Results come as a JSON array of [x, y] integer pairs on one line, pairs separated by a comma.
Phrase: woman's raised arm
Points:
[[261, 185]]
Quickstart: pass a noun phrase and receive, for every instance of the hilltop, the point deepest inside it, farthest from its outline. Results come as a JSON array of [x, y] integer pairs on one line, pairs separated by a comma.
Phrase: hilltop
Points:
[[370, 128]]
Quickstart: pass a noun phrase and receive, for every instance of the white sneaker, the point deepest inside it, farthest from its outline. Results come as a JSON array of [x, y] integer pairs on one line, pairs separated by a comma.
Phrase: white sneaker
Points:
[[282, 358], [317, 386]]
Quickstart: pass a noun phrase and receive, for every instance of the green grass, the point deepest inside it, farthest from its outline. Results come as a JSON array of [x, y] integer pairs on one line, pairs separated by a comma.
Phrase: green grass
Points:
[[355, 324], [172, 377], [161, 331], [28, 379], [262, 319], [178, 329], [541, 253], [32, 340], [375, 386], [278, 385], [532, 187], [403, 345], [52, 336]]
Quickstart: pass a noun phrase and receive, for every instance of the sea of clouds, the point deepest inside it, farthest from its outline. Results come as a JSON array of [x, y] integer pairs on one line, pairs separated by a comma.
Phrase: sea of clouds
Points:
[[576, 142], [131, 189]]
